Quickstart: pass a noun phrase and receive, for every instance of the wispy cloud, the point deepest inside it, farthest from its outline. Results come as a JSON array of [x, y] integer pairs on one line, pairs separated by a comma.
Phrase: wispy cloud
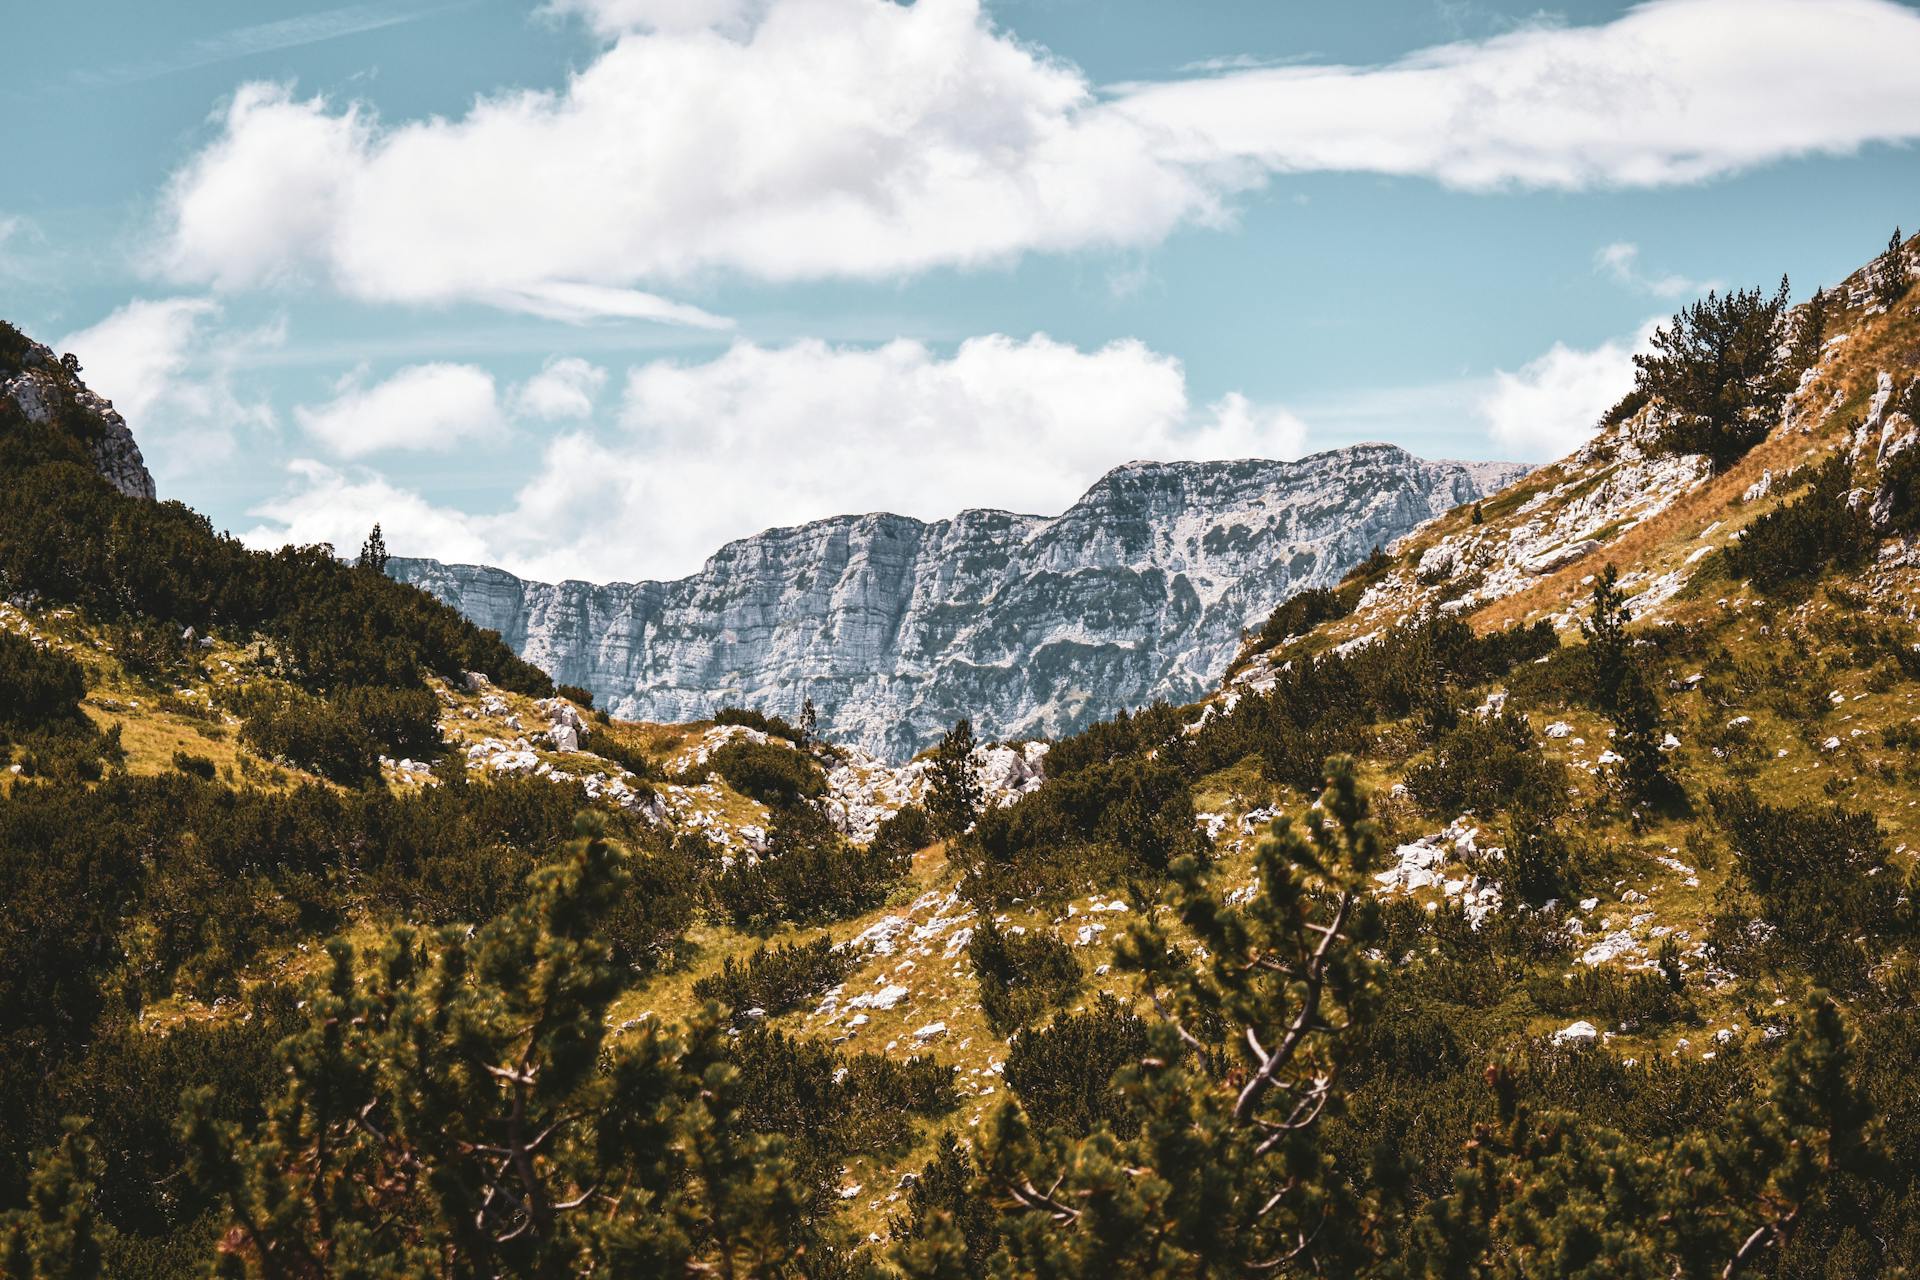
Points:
[[267, 37], [1621, 261]]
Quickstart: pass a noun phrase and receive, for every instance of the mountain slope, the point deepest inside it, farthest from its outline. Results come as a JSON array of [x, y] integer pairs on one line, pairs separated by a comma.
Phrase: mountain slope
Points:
[[1029, 625]]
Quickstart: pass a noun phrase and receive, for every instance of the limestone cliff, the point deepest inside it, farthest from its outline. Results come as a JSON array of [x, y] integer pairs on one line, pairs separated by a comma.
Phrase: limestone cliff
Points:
[[1030, 625]]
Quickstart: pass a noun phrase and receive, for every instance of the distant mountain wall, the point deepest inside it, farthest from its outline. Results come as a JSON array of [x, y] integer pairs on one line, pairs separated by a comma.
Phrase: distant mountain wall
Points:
[[1030, 625]]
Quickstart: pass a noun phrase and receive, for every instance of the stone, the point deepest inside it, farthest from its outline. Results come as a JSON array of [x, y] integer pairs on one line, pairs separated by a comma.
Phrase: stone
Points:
[[1032, 626]]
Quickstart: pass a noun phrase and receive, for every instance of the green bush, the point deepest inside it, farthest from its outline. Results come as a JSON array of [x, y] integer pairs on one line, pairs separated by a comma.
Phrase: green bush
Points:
[[197, 766], [37, 686], [1787, 550], [809, 874], [1020, 974], [1096, 825], [1063, 1073], [778, 777], [1488, 763], [905, 833], [311, 733], [773, 726], [776, 979], [404, 722]]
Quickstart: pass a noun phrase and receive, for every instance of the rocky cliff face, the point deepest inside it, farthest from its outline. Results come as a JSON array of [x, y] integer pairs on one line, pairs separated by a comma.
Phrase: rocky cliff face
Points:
[[45, 392], [1030, 625]]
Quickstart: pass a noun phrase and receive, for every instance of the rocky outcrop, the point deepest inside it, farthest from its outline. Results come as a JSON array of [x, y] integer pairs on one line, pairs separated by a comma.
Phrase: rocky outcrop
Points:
[[1030, 625], [45, 392]]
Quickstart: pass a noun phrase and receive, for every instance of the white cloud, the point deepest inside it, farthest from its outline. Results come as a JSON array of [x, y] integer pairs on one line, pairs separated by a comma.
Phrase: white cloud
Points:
[[173, 376], [338, 507], [565, 387], [423, 407], [1553, 404], [1621, 261], [704, 453], [1672, 91], [806, 139]]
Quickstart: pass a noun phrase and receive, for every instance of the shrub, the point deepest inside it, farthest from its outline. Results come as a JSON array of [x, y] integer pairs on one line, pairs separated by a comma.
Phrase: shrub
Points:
[[776, 979], [1817, 870], [1096, 825], [405, 722], [37, 685], [196, 766], [1063, 1074], [904, 834], [149, 652], [1301, 613], [1126, 734], [609, 746], [771, 725], [582, 698], [1020, 974], [810, 873], [1487, 763], [1627, 1002], [1786, 551], [308, 732], [778, 777]]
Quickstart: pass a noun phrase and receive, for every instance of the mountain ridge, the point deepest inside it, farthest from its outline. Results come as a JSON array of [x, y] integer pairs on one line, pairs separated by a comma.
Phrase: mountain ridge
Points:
[[1029, 624]]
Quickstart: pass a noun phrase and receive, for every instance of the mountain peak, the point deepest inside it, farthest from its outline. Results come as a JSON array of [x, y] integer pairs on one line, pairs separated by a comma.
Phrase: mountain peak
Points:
[[1027, 624], [45, 391]]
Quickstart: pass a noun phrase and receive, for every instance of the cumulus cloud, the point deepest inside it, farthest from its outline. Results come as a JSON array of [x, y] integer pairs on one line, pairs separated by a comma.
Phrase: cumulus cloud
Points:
[[565, 387], [173, 373], [1621, 261], [337, 506], [1552, 405], [807, 139], [421, 408], [701, 453]]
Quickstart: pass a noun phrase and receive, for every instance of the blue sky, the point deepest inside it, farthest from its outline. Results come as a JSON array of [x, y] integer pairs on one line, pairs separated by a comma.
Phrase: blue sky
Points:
[[586, 289]]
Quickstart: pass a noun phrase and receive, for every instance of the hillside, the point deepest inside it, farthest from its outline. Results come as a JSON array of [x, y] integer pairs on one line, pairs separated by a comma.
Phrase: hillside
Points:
[[1598, 958], [1032, 626]]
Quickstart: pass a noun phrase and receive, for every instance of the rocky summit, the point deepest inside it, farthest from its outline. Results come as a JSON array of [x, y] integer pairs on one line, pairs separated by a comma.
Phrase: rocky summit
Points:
[[1030, 625]]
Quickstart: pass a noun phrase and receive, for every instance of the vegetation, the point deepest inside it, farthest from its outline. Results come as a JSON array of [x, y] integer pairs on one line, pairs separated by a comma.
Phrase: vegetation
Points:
[[1717, 369], [1020, 974], [953, 786], [1787, 550], [776, 776], [776, 979], [1487, 1002]]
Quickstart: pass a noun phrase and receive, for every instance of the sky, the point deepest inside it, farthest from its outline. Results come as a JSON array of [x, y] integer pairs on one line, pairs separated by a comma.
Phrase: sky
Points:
[[586, 288]]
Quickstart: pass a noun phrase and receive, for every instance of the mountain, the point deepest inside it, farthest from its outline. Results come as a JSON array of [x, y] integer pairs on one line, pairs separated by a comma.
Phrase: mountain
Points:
[[44, 392], [1029, 625], [1612, 907]]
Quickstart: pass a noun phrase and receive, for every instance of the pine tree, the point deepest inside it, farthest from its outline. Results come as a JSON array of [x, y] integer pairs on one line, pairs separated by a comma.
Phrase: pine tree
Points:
[[1261, 1009], [1556, 1194], [373, 552], [454, 1107], [809, 721], [1810, 330], [953, 796], [1892, 277], [54, 1236], [1717, 368], [1620, 688]]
